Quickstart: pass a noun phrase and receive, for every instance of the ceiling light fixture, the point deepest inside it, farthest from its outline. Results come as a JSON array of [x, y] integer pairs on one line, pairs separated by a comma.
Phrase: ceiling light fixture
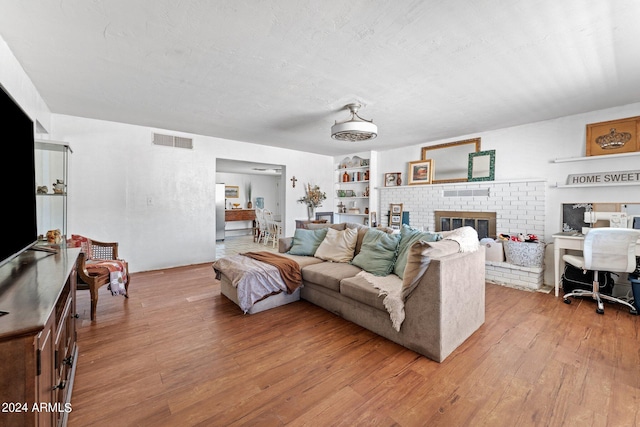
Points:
[[354, 129]]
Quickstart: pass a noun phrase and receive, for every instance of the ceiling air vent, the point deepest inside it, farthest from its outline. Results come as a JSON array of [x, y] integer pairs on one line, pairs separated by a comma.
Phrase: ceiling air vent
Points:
[[172, 141]]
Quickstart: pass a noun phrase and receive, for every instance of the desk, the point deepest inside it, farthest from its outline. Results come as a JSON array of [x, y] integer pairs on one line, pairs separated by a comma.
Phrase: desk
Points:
[[564, 241]]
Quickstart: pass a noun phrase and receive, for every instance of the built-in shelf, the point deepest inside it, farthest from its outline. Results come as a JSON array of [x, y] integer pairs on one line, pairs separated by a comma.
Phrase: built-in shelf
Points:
[[352, 184], [355, 168], [608, 156], [611, 184]]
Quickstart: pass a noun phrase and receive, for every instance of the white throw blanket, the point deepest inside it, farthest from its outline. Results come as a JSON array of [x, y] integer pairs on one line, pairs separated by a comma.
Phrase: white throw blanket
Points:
[[391, 287], [466, 237], [253, 279]]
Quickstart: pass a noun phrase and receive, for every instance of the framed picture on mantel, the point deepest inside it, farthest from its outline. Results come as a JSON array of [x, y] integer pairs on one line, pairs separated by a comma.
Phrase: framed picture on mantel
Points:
[[420, 172], [392, 179], [613, 137]]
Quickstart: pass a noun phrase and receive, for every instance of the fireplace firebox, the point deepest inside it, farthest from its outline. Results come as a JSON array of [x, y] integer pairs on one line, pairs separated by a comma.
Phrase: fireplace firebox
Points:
[[483, 222]]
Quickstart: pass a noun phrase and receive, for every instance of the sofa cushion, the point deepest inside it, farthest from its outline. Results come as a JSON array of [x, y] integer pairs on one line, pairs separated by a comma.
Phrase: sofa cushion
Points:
[[360, 290], [338, 246], [378, 252], [420, 255], [329, 274], [305, 242], [408, 236], [362, 230], [303, 261]]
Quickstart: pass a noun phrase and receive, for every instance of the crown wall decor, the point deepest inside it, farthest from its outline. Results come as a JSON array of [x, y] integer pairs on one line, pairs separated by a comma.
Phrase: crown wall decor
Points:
[[613, 137]]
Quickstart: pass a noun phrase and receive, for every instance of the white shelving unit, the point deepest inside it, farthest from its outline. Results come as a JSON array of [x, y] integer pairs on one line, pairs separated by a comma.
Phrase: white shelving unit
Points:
[[52, 164], [352, 192], [609, 156]]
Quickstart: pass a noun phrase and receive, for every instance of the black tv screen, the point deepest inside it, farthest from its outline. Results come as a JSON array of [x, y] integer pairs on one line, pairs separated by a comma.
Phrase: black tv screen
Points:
[[17, 176]]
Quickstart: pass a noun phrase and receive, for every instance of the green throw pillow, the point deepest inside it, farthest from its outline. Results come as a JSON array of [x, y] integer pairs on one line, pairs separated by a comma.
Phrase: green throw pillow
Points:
[[408, 236], [305, 242], [378, 252]]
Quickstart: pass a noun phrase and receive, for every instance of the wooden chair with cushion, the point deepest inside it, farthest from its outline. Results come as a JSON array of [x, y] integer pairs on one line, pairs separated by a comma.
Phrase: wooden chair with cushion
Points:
[[98, 265]]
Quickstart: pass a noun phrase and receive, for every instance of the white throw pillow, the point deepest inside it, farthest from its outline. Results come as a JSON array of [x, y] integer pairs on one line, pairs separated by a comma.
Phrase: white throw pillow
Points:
[[338, 246]]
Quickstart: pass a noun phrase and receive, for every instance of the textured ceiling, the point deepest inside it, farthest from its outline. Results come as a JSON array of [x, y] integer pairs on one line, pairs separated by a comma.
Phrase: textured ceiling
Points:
[[278, 72]]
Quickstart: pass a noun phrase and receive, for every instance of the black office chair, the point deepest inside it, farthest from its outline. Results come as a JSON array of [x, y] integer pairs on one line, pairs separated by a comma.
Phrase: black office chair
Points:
[[605, 249]]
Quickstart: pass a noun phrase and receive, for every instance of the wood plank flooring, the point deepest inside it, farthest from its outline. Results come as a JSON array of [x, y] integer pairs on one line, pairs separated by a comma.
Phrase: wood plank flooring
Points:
[[177, 353]]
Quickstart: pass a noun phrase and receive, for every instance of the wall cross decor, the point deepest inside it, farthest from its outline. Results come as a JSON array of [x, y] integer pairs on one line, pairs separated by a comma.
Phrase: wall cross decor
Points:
[[293, 180]]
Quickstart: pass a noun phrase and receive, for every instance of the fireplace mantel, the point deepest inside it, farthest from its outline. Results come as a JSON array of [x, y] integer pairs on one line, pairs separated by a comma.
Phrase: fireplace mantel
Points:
[[470, 183]]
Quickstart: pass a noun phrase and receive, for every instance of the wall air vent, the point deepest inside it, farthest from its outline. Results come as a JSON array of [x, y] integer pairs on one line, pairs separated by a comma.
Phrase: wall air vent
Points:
[[172, 141], [482, 192]]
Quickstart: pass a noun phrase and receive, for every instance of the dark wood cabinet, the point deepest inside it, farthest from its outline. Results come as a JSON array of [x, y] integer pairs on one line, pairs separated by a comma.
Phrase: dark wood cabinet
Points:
[[38, 350], [239, 215]]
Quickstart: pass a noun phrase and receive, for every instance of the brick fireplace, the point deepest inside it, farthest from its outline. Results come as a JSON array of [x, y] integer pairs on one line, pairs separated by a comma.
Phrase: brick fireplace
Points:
[[518, 206]]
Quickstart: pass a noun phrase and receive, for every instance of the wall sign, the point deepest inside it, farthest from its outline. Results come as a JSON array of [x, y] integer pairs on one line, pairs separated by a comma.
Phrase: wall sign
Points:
[[620, 177]]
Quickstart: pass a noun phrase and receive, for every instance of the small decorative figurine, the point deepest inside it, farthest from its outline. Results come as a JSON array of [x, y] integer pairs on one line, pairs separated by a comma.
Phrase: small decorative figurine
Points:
[[58, 186], [54, 237]]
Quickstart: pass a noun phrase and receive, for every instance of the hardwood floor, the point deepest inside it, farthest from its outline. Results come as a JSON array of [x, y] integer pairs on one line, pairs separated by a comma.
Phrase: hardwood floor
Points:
[[177, 353]]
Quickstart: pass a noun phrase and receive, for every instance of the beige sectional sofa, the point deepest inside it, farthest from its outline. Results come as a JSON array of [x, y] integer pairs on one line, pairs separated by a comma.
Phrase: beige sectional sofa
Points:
[[443, 291]]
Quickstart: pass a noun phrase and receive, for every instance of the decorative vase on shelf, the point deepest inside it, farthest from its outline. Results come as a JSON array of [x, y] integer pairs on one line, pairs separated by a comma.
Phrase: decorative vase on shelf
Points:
[[346, 177], [399, 180], [249, 204], [311, 212]]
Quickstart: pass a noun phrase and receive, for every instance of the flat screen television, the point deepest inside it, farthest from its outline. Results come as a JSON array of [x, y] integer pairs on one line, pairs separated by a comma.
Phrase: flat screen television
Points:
[[17, 176]]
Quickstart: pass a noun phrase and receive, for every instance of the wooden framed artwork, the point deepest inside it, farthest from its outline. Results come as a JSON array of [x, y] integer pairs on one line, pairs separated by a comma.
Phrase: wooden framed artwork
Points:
[[231, 192], [392, 179], [420, 172], [613, 137]]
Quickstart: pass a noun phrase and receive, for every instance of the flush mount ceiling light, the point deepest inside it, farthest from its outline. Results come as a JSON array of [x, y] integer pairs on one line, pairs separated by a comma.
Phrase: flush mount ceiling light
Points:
[[354, 129]]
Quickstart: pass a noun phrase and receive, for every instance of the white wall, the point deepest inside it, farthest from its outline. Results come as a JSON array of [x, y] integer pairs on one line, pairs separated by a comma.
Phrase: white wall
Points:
[[158, 202], [17, 83], [528, 151]]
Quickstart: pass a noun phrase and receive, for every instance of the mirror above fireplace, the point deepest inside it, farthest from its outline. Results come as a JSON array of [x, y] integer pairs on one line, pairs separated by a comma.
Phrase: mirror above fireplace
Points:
[[451, 160]]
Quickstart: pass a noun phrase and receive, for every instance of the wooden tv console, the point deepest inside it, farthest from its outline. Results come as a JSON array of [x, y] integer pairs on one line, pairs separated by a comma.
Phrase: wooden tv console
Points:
[[38, 350]]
